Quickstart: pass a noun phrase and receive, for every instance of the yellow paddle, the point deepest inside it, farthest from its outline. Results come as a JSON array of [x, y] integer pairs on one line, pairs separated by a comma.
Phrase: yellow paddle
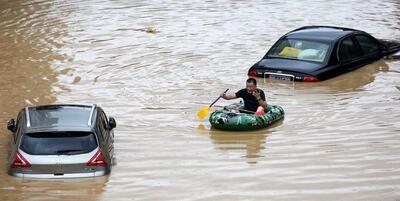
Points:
[[205, 110]]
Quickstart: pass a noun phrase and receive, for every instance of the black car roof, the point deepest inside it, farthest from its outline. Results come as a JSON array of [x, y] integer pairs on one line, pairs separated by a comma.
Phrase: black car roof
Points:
[[321, 33], [48, 118]]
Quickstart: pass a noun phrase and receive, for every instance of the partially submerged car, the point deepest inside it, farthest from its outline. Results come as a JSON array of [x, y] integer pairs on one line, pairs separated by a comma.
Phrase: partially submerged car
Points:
[[61, 141], [316, 53]]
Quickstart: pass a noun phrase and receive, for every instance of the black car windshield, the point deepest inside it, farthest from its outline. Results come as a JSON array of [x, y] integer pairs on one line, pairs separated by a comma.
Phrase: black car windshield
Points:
[[300, 50], [58, 143]]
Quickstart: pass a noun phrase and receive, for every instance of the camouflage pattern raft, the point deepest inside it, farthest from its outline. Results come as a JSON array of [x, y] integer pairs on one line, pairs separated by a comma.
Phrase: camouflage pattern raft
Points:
[[224, 119]]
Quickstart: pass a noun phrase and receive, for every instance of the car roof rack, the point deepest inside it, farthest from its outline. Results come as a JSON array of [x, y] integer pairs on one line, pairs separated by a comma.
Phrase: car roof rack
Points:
[[28, 119], [91, 115]]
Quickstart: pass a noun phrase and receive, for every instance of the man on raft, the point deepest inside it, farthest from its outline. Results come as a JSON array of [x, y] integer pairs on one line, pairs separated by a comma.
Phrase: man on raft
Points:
[[254, 99]]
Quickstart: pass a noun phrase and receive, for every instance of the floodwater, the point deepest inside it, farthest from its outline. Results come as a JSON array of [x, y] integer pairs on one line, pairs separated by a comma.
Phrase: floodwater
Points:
[[340, 139]]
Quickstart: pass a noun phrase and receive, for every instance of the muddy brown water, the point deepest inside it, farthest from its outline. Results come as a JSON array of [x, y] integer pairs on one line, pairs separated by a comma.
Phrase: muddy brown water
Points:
[[340, 139]]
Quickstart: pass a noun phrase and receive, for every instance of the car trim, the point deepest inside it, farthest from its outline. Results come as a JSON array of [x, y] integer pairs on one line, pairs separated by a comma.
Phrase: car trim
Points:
[[61, 176], [91, 115], [28, 120]]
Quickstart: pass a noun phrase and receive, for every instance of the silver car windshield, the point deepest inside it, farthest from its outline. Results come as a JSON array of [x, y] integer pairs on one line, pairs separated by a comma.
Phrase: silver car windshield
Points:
[[58, 143], [300, 50]]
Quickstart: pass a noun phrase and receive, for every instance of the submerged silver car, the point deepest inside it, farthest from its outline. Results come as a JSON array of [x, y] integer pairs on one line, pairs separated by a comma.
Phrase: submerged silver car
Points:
[[61, 141]]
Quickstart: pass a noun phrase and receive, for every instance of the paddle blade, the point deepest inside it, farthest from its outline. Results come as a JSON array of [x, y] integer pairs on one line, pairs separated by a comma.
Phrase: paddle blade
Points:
[[203, 112]]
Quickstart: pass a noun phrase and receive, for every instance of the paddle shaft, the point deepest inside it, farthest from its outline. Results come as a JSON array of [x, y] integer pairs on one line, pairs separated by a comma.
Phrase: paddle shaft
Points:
[[217, 98], [236, 109]]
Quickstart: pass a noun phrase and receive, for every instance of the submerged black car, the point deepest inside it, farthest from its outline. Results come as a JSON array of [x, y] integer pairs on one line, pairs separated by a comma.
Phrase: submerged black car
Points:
[[316, 53]]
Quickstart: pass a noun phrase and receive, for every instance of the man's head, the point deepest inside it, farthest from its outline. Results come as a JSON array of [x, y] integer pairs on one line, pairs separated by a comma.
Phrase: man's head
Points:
[[251, 85]]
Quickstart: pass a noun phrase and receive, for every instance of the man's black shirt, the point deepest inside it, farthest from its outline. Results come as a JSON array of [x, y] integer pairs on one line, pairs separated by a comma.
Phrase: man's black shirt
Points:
[[250, 102]]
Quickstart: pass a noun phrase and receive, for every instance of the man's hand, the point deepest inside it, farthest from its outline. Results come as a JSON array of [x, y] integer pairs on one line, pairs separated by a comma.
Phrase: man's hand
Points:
[[256, 94], [223, 95]]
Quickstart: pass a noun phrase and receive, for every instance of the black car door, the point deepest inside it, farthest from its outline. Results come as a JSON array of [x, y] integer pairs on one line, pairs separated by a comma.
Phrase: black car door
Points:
[[350, 55]]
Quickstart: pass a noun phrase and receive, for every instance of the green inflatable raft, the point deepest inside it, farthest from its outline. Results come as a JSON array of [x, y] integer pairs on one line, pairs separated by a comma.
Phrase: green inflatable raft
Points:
[[224, 119]]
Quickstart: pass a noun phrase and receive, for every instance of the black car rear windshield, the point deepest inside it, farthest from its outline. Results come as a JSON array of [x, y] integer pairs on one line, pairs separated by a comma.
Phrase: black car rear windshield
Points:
[[58, 143], [300, 50]]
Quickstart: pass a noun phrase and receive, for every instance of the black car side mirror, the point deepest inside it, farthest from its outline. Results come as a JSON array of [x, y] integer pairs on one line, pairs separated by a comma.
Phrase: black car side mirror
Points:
[[112, 123], [11, 125]]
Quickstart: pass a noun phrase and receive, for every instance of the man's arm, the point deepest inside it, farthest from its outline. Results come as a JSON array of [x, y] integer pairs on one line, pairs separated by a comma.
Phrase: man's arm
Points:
[[228, 96], [262, 102], [260, 97]]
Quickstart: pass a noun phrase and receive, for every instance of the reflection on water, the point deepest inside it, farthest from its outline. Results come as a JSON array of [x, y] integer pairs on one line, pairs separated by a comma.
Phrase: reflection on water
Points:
[[247, 144], [338, 139], [83, 189]]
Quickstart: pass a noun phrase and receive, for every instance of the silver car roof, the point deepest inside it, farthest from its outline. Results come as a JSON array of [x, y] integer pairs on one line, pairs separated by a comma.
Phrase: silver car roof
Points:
[[51, 118]]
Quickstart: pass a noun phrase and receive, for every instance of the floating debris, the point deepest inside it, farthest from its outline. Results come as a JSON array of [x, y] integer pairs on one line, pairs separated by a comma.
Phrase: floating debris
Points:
[[148, 30]]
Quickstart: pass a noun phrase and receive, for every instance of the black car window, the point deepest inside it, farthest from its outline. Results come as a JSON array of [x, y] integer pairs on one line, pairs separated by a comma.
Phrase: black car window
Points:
[[58, 143], [348, 50], [368, 45]]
